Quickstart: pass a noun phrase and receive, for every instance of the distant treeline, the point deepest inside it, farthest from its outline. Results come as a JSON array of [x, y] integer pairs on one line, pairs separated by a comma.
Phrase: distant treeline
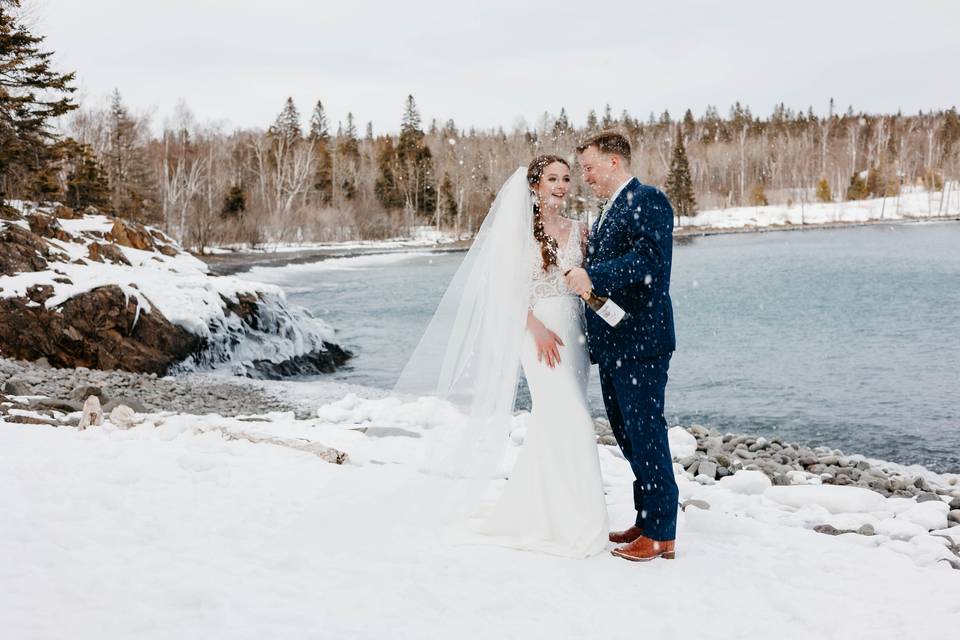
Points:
[[301, 179]]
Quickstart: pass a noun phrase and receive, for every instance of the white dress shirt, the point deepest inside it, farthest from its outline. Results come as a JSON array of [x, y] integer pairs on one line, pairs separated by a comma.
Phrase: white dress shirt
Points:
[[609, 203]]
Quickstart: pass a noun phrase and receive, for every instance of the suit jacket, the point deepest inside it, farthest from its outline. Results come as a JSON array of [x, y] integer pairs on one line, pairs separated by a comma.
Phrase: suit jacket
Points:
[[628, 260]]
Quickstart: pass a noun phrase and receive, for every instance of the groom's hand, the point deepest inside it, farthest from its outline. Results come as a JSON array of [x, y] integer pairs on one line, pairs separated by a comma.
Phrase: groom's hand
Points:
[[578, 281]]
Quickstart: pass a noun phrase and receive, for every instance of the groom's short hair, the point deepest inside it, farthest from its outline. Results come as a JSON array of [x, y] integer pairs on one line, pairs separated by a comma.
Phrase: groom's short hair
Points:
[[607, 142]]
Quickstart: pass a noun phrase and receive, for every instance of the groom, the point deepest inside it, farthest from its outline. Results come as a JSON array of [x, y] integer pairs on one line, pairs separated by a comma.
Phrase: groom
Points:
[[628, 260]]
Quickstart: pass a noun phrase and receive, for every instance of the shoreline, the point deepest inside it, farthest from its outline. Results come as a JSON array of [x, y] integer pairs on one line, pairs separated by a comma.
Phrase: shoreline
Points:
[[55, 396], [231, 263]]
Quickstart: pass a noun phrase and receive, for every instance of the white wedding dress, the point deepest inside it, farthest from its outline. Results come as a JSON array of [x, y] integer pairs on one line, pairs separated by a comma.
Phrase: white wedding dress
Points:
[[471, 354], [553, 500]]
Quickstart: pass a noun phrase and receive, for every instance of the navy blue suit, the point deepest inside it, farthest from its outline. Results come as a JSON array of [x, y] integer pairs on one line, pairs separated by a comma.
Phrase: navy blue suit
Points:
[[628, 260]]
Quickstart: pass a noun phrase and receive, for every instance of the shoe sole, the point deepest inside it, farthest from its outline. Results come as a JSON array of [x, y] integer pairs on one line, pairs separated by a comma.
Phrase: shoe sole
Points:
[[666, 555]]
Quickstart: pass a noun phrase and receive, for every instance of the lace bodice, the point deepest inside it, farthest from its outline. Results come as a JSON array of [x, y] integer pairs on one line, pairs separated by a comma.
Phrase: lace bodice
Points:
[[550, 283]]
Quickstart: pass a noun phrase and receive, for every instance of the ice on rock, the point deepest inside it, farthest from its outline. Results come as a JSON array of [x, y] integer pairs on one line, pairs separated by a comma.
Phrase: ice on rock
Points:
[[682, 442], [834, 498], [747, 482]]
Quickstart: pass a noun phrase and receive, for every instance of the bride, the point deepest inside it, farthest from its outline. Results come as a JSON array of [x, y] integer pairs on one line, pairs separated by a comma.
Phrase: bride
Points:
[[506, 309]]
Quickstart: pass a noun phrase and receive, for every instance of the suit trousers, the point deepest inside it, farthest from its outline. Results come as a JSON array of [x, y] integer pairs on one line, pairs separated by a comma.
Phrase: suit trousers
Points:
[[633, 393]]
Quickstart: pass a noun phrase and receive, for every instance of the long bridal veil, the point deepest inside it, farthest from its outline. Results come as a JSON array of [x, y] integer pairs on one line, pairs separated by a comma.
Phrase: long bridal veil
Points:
[[470, 351]]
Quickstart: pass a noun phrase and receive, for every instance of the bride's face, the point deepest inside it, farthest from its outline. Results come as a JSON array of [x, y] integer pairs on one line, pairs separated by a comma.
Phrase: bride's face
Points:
[[553, 187]]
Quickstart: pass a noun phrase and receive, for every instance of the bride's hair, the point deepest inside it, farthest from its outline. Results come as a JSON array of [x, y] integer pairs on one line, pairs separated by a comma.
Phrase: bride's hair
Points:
[[548, 245]]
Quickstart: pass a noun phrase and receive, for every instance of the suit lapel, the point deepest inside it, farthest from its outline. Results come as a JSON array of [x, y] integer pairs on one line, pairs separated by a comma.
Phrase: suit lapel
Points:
[[615, 208]]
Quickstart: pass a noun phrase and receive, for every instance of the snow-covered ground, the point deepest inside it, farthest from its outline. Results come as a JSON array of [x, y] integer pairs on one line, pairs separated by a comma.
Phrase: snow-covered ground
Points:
[[421, 237], [912, 204], [182, 527]]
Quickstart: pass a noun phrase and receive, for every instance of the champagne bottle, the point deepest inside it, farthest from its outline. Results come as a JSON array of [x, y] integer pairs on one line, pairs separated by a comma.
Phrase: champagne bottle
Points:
[[604, 307]]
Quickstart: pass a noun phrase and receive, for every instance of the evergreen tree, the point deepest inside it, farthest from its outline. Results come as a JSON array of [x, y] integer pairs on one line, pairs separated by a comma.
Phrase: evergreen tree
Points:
[[857, 190], [320, 138], [132, 184], [32, 95], [592, 124], [369, 136], [679, 185], [608, 120], [415, 176], [448, 200], [319, 127], [949, 132], [385, 187], [823, 191], [87, 184], [689, 125], [235, 202], [287, 124], [348, 158], [562, 124]]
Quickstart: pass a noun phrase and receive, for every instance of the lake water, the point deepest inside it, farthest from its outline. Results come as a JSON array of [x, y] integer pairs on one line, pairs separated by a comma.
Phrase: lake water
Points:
[[848, 338]]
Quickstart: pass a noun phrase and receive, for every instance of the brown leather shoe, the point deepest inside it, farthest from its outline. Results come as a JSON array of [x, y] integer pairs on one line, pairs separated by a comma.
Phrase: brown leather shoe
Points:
[[643, 549], [626, 536]]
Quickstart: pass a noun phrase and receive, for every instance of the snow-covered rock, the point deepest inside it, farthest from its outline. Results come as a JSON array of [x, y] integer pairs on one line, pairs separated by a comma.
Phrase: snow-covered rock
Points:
[[833, 498], [747, 482], [682, 443]]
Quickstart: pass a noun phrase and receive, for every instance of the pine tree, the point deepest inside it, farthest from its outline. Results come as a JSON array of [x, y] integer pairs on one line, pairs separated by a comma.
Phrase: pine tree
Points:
[[235, 202], [562, 124], [287, 124], [592, 124], [348, 158], [679, 185], [823, 191], [608, 120], [689, 125], [448, 200], [319, 127], [87, 184], [857, 190], [415, 176], [133, 191], [385, 187], [32, 95], [369, 136]]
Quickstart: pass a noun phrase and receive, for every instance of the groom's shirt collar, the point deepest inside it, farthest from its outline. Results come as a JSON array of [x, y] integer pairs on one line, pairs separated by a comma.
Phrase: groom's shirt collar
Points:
[[616, 194]]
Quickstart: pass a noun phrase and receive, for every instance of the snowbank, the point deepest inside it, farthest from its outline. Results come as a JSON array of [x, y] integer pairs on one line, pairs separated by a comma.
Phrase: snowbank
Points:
[[912, 204], [176, 528]]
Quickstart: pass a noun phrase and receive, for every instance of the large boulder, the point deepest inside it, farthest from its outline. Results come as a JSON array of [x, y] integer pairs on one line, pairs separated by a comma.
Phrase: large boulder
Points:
[[21, 250], [101, 328]]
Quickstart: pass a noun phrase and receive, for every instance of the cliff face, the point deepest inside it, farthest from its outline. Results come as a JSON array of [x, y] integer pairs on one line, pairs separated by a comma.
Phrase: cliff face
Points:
[[92, 291]]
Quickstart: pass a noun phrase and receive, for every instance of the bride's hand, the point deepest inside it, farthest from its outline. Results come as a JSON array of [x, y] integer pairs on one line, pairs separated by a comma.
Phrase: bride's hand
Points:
[[547, 343]]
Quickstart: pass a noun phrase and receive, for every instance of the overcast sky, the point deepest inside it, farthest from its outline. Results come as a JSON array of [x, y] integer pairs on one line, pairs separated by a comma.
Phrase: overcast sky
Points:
[[490, 63]]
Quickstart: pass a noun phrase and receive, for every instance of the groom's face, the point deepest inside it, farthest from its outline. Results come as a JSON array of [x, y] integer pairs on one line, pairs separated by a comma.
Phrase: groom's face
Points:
[[599, 171]]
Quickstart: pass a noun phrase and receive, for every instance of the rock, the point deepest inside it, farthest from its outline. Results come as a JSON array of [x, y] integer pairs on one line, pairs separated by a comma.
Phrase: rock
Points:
[[47, 226], [781, 480], [607, 439], [92, 413], [954, 515], [85, 391], [955, 504], [16, 387], [867, 530], [101, 252], [926, 496], [95, 328], [708, 469], [704, 479], [131, 234], [723, 472], [694, 466], [133, 403], [21, 250], [65, 213], [697, 504], [53, 404], [807, 461], [829, 530], [123, 416], [829, 460]]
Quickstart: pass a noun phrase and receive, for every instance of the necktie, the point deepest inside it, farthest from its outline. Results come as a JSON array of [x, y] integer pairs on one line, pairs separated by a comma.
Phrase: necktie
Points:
[[603, 212]]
